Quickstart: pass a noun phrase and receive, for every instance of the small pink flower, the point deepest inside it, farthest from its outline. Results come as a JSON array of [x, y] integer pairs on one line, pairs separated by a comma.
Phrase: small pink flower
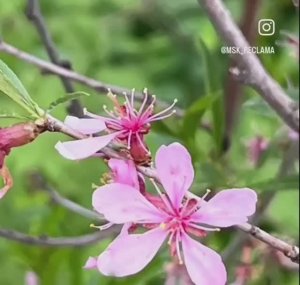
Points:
[[256, 148], [293, 135], [174, 216], [124, 123], [31, 278]]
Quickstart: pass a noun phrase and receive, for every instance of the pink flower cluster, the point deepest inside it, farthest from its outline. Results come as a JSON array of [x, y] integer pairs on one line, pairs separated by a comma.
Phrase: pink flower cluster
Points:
[[174, 215]]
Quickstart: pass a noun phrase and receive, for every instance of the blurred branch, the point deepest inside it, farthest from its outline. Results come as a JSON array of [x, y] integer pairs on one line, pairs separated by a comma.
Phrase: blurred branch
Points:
[[84, 80], [39, 182], [46, 241], [250, 67], [33, 13], [233, 89]]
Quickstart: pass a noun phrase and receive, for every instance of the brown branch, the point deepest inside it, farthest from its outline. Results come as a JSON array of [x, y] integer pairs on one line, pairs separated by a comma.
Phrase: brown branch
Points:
[[260, 80], [288, 250], [46, 241], [233, 88], [33, 13]]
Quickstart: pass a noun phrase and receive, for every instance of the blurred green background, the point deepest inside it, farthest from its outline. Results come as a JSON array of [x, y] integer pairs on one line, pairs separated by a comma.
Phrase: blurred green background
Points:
[[171, 48]]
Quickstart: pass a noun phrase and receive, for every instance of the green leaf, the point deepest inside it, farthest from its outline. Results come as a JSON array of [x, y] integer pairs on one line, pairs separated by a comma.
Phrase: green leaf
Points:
[[12, 87], [211, 84], [193, 115], [67, 98]]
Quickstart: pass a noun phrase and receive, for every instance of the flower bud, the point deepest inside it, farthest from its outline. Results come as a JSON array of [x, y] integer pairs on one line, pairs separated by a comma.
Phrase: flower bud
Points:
[[15, 136]]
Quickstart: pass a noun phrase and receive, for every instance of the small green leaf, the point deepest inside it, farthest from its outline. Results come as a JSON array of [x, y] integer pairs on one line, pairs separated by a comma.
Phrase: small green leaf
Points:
[[12, 87], [212, 84], [194, 114], [67, 98]]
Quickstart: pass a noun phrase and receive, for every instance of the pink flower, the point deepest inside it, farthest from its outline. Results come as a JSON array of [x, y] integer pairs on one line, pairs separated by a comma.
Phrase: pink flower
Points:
[[125, 123], [31, 278], [124, 172], [256, 148], [293, 135], [173, 216]]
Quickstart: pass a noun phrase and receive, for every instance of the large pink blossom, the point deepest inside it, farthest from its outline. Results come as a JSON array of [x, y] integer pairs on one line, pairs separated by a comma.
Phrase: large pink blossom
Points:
[[174, 217], [124, 123]]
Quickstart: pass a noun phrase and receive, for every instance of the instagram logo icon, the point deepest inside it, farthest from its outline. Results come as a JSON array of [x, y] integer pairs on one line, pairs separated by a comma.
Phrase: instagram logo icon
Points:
[[266, 27]]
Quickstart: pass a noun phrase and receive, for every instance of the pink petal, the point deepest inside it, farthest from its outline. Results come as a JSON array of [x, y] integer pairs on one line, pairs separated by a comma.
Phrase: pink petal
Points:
[[204, 265], [85, 126], [175, 170], [7, 179], [91, 263], [84, 148], [31, 278], [124, 172], [129, 254], [121, 203], [227, 208]]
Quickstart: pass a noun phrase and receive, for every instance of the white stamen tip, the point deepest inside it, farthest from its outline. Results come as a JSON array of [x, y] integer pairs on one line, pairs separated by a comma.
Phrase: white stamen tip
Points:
[[84, 111], [175, 100], [153, 96], [174, 111], [145, 90], [104, 107]]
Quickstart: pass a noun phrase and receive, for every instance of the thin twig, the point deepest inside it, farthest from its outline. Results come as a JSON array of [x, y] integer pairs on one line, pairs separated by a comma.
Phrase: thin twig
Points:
[[39, 181], [289, 251], [46, 241], [33, 13], [249, 63], [96, 85]]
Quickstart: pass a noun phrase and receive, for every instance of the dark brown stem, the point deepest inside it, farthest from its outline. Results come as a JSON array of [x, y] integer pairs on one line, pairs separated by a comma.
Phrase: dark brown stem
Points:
[[233, 88], [34, 14]]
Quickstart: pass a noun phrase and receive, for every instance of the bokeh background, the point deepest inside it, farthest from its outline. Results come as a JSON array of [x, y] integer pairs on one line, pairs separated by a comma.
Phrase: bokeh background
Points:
[[171, 48]]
